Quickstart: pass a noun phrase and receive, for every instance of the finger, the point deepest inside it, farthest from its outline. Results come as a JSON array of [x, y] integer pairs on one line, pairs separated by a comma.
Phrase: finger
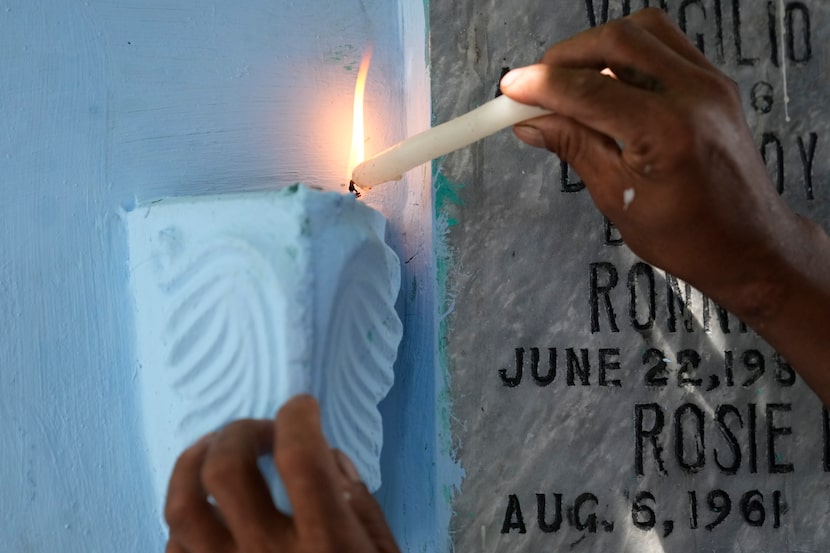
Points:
[[193, 524], [659, 24], [365, 507], [572, 53], [304, 459], [589, 97], [173, 547], [594, 156], [231, 475], [634, 54]]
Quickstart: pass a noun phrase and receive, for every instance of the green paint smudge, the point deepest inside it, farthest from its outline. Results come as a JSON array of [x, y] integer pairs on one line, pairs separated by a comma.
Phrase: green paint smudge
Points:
[[447, 200], [447, 197], [346, 54], [293, 189]]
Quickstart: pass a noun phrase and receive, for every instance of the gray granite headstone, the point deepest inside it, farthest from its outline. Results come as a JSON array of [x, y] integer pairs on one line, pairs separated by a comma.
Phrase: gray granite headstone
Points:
[[598, 403]]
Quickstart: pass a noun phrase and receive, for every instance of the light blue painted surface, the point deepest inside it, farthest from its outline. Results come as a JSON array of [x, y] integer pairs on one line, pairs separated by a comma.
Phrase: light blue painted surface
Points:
[[103, 103]]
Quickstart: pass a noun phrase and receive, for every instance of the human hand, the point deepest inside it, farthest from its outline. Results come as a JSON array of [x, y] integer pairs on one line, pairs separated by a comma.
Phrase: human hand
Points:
[[668, 133], [333, 509], [702, 200]]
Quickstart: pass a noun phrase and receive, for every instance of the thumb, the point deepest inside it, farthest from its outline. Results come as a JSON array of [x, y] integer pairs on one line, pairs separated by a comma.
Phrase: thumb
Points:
[[532, 85], [591, 153], [594, 156], [581, 146]]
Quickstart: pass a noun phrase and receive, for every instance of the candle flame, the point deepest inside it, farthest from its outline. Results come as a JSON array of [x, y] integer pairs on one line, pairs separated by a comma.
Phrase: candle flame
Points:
[[357, 154]]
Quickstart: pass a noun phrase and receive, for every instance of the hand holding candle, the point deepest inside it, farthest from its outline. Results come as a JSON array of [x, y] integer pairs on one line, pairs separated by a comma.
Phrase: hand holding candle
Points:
[[462, 131]]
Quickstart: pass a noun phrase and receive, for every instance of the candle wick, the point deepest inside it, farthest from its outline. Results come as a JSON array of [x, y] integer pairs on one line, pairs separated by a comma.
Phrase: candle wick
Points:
[[353, 189]]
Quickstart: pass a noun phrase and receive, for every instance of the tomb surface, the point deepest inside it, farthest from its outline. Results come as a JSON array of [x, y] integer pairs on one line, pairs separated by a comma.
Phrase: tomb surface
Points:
[[600, 404]]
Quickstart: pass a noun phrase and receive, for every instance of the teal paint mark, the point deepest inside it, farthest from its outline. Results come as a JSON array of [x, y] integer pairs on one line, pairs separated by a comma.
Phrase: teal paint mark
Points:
[[447, 197], [346, 54], [340, 53], [446, 200]]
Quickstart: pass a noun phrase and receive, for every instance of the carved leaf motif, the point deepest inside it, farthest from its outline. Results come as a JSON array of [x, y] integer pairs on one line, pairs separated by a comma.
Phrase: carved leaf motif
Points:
[[222, 335], [360, 349]]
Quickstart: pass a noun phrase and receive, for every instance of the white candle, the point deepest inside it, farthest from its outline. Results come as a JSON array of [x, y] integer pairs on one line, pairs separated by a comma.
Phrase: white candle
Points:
[[462, 131]]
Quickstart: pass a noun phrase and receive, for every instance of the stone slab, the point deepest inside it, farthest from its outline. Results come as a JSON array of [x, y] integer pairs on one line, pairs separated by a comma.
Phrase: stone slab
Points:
[[677, 432]]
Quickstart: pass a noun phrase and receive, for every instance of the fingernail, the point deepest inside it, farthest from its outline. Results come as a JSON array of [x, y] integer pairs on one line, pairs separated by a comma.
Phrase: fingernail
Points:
[[511, 78], [346, 466], [531, 135]]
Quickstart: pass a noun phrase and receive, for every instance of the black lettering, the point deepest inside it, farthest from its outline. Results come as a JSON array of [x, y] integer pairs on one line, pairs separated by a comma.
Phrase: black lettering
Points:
[[626, 6], [755, 364], [728, 367], [777, 508], [658, 374], [504, 71], [798, 12], [732, 441], [752, 427], [762, 97], [775, 466], [676, 300], [772, 30], [784, 373], [565, 175], [636, 275], [680, 448], [593, 19], [590, 523], [516, 379], [689, 361], [608, 362], [722, 314], [583, 368], [513, 519], [771, 139], [534, 367], [698, 39], [652, 434], [808, 154], [693, 518], [612, 235], [752, 508], [541, 512], [603, 290], [719, 502], [739, 47], [642, 515], [721, 58]]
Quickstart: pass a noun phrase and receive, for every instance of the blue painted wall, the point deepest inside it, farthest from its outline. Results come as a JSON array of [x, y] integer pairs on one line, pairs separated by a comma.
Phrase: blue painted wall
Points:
[[105, 103]]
